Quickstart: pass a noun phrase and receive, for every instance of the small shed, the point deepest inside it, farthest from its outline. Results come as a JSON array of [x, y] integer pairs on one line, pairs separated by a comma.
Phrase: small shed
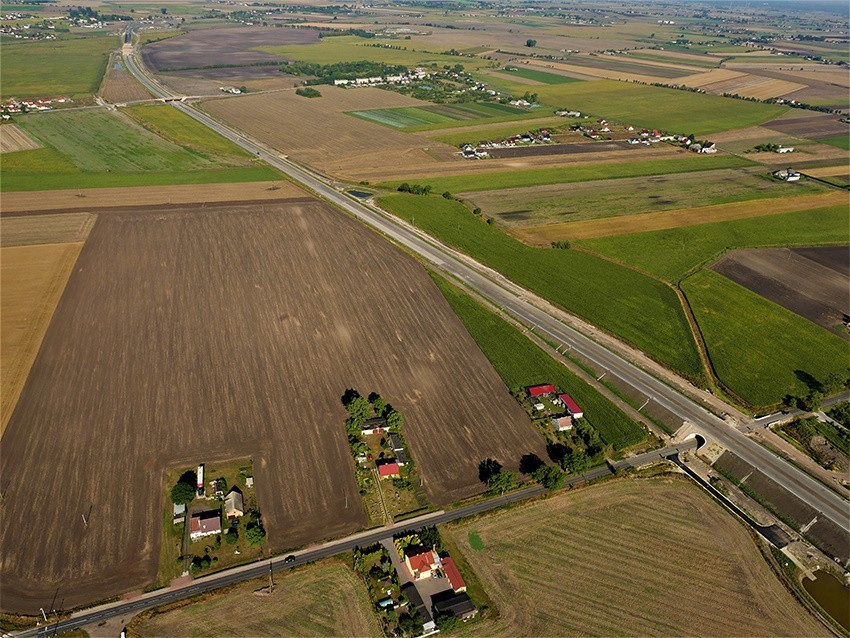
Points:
[[179, 512], [234, 504]]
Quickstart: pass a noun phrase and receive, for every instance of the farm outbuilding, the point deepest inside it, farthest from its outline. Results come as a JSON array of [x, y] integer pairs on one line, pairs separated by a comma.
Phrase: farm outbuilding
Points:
[[453, 574], [234, 504], [572, 407], [373, 426], [537, 390]]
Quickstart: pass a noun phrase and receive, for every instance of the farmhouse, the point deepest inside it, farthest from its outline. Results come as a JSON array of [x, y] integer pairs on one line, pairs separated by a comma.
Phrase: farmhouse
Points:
[[422, 564], [453, 575], [373, 426], [572, 407], [205, 524], [389, 469], [562, 423], [788, 175], [785, 149], [234, 504]]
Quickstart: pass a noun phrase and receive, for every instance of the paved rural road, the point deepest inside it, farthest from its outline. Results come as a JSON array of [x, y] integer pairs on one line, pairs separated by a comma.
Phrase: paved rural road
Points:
[[514, 301], [766, 421], [262, 568]]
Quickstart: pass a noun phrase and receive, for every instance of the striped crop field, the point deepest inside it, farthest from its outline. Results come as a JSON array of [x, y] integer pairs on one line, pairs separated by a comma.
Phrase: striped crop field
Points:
[[640, 557], [418, 116]]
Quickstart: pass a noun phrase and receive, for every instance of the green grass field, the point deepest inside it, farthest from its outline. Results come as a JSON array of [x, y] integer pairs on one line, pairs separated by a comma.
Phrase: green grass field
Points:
[[562, 175], [109, 141], [634, 307], [72, 67], [612, 198], [672, 253], [353, 49], [539, 76], [842, 142], [422, 117], [168, 122], [655, 107], [759, 349], [96, 149], [522, 363]]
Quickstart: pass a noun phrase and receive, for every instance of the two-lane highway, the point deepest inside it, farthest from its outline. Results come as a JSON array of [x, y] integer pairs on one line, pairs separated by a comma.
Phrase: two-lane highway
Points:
[[517, 303]]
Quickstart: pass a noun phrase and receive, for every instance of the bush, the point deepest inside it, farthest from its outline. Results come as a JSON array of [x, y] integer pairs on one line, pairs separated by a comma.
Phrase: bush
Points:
[[447, 195], [308, 92], [232, 537], [255, 535], [563, 244]]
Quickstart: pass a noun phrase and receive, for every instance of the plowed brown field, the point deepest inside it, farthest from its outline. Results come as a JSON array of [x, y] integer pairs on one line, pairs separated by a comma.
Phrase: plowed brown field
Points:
[[649, 557], [94, 198], [203, 333], [14, 139], [610, 226]]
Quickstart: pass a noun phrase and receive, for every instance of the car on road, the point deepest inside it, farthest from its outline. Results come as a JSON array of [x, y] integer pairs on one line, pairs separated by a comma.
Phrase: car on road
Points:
[[289, 559]]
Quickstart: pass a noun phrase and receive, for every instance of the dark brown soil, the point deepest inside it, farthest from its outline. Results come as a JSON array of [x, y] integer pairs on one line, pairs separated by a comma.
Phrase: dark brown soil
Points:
[[812, 282], [559, 149], [231, 46], [814, 128], [192, 334]]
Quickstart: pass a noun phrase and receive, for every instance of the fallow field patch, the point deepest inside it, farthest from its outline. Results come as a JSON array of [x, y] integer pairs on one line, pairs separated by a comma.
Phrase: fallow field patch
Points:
[[616, 544], [14, 139]]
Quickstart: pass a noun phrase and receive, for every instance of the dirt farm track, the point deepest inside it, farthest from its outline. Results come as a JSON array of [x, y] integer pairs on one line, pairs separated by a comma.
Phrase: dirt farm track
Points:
[[193, 334]]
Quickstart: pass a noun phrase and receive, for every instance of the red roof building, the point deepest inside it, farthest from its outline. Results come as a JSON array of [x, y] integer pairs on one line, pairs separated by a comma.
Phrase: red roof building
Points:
[[452, 573], [205, 524], [422, 564], [389, 470], [536, 390], [571, 405]]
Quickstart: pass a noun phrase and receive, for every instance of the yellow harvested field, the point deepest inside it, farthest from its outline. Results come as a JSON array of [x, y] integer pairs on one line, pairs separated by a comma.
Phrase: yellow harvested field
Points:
[[331, 140], [14, 139], [639, 557], [324, 599], [26, 230], [625, 225], [143, 196], [675, 55], [666, 65], [828, 171], [607, 74], [32, 279], [700, 80], [745, 84]]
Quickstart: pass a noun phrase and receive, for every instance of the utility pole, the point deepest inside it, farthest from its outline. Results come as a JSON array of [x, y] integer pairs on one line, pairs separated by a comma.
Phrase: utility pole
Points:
[[271, 578]]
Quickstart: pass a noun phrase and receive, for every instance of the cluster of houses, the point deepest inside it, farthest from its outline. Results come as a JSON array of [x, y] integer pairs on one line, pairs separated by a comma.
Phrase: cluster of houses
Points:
[[561, 400], [593, 131], [23, 106], [27, 32], [468, 151], [435, 587], [388, 468], [404, 78]]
